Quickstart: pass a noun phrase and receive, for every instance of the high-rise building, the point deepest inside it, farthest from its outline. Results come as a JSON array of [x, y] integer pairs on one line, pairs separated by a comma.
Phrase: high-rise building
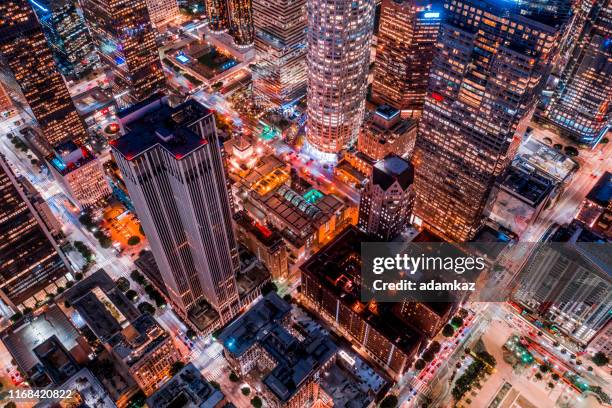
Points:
[[171, 163], [406, 44], [384, 132], [280, 43], [489, 68], [339, 34], [125, 40], [24, 49], [67, 35], [30, 260], [6, 103], [162, 12], [80, 173], [218, 15], [580, 106], [241, 22], [387, 200]]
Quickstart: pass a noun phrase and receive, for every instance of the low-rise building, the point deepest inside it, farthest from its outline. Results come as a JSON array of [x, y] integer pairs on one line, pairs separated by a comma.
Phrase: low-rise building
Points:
[[80, 173], [331, 288], [187, 389], [291, 367], [384, 132], [596, 209]]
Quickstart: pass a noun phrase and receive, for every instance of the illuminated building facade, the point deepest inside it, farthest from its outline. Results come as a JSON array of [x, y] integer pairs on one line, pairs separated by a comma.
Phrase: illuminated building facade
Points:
[[30, 260], [387, 200], [384, 132], [218, 15], [146, 351], [280, 44], [241, 22], [490, 66], [80, 173], [171, 163], [580, 106], [6, 103], [67, 35], [339, 34], [406, 44], [331, 288], [125, 41], [24, 49], [162, 12]]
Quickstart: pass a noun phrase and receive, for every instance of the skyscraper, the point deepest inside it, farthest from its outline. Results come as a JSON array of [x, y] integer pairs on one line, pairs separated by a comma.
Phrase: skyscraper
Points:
[[580, 106], [218, 15], [339, 34], [406, 44], [67, 35], [171, 163], [241, 22], [280, 43], [489, 68], [29, 257], [123, 34], [387, 200], [162, 11], [24, 49]]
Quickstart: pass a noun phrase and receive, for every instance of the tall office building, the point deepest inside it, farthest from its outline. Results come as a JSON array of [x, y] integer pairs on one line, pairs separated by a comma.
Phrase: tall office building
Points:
[[406, 44], [580, 106], [218, 15], [171, 163], [162, 12], [30, 260], [387, 200], [280, 43], [125, 39], [339, 34], [67, 35], [490, 66], [24, 49], [241, 22]]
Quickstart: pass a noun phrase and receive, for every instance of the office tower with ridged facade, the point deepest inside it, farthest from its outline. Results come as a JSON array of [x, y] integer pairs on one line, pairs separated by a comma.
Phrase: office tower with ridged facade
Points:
[[125, 40], [339, 35], [24, 50], [67, 35], [406, 44], [580, 106], [280, 43], [30, 260], [241, 22], [171, 163], [490, 66]]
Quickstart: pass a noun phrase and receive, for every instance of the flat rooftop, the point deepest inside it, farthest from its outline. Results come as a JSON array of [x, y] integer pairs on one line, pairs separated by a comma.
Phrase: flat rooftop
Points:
[[138, 339], [546, 158], [601, 193], [391, 169], [337, 266], [158, 124], [527, 183]]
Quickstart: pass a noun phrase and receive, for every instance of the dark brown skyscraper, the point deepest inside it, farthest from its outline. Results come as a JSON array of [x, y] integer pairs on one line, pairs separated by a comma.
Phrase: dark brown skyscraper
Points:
[[29, 260], [406, 45], [24, 49], [122, 31], [489, 68]]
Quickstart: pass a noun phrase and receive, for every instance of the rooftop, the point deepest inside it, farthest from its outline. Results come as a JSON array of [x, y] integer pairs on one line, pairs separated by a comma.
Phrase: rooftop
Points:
[[337, 266], [137, 339], [186, 389], [391, 169], [601, 193], [158, 124], [69, 156], [545, 158], [527, 183]]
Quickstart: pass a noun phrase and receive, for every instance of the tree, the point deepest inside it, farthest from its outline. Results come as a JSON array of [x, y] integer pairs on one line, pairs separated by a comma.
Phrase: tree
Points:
[[133, 240], [78, 276], [551, 385], [419, 364], [435, 346], [544, 368], [146, 307], [233, 377], [457, 322], [215, 384], [191, 335], [555, 376], [245, 390], [123, 284], [131, 294], [137, 277], [463, 313], [256, 402], [268, 287], [10, 404], [600, 359], [16, 317], [487, 358], [428, 356], [287, 298], [538, 376], [571, 151], [390, 401], [176, 367], [448, 331]]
